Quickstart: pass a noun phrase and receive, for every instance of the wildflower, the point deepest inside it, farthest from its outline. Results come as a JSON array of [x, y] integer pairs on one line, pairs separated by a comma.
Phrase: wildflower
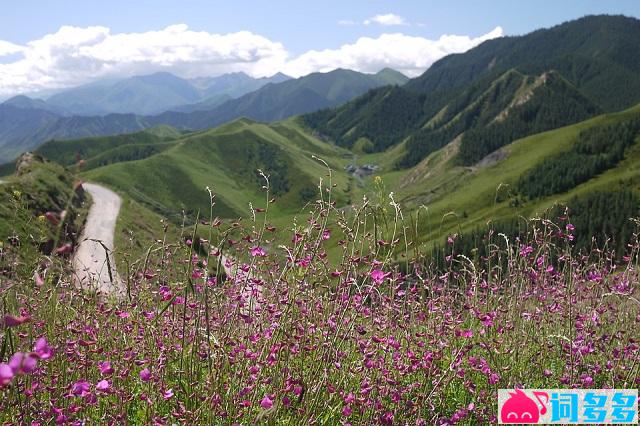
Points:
[[464, 333], [6, 374], [258, 251], [42, 349], [526, 251], [103, 386], [80, 388], [304, 262], [346, 411], [22, 363], [37, 278], [326, 234], [296, 238], [64, 249], [105, 368], [494, 378], [266, 402], [145, 375], [11, 321], [378, 276], [167, 394], [586, 380]]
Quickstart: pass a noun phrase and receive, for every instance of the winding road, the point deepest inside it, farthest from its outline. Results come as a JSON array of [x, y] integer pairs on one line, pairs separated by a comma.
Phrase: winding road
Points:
[[93, 261]]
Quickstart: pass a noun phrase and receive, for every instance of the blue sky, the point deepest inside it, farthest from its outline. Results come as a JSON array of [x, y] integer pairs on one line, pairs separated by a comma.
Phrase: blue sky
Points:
[[118, 37], [300, 25]]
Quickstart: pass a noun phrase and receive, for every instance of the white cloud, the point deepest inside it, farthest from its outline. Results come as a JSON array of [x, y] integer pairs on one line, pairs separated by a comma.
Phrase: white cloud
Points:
[[408, 54], [7, 48], [387, 19], [74, 55]]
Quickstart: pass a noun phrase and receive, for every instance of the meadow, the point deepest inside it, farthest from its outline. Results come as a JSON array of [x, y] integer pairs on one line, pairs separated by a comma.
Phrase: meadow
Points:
[[376, 335]]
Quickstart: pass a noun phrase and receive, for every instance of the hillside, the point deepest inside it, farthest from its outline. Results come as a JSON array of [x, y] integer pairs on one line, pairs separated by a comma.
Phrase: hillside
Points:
[[460, 199], [175, 176], [592, 69]]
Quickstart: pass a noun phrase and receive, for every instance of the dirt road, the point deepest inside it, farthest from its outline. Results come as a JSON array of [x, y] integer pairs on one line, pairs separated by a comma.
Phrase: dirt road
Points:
[[92, 271]]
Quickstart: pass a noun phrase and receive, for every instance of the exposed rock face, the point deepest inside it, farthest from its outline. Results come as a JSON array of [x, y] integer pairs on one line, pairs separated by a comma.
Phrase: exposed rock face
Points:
[[24, 162]]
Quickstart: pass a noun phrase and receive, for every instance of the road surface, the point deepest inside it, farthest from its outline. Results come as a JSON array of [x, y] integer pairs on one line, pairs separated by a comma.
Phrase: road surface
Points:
[[90, 259]]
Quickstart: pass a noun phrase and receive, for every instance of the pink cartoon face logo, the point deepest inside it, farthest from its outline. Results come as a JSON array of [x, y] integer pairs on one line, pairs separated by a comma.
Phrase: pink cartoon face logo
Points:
[[519, 408]]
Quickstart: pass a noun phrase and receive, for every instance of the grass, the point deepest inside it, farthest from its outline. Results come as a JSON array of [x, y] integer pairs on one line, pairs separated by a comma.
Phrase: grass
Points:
[[303, 339], [226, 160]]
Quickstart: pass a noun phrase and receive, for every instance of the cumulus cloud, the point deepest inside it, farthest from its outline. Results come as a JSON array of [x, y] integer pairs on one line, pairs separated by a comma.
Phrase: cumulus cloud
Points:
[[74, 55], [387, 19], [7, 48], [408, 54]]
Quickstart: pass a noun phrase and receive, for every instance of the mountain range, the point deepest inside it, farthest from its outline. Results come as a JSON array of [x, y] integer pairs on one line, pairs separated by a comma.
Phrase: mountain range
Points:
[[537, 82], [503, 131], [26, 123]]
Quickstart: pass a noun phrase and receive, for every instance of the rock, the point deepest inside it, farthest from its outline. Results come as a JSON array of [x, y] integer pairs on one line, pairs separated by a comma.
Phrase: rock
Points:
[[24, 162]]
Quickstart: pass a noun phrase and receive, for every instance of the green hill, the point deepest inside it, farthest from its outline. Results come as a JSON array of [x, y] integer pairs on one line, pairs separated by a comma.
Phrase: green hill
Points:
[[226, 160], [593, 67]]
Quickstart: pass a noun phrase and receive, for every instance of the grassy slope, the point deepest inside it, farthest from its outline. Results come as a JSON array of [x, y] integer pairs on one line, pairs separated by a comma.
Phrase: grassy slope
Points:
[[224, 159], [471, 193], [456, 198]]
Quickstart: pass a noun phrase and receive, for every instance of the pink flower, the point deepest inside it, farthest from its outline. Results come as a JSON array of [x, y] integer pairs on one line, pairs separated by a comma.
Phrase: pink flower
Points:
[[105, 368], [103, 386], [346, 411], [38, 279], [350, 398], [494, 378], [464, 333], [11, 321], [80, 388], [526, 251], [296, 238], [167, 394], [64, 249], [258, 251], [6, 374], [378, 276], [145, 375], [266, 402], [42, 349], [22, 363], [304, 262], [326, 234]]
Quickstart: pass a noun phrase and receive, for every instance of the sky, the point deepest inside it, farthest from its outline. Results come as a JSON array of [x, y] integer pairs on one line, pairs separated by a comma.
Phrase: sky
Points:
[[52, 44]]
